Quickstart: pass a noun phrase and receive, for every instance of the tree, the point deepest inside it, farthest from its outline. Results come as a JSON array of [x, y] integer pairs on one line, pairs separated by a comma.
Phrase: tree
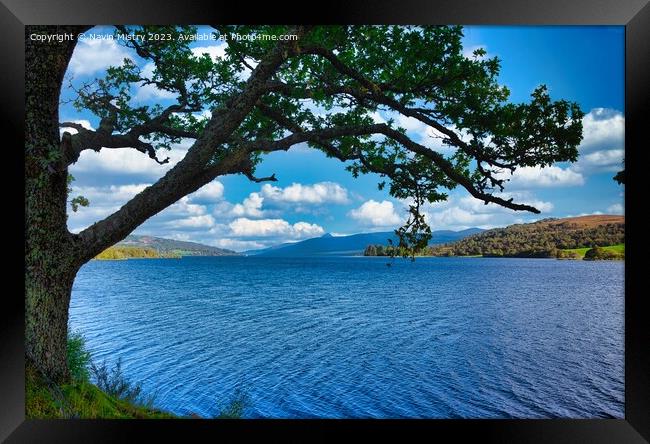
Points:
[[370, 250], [321, 88], [620, 177]]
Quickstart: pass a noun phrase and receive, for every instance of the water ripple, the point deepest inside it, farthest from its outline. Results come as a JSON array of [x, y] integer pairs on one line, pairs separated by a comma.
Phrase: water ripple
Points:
[[351, 338]]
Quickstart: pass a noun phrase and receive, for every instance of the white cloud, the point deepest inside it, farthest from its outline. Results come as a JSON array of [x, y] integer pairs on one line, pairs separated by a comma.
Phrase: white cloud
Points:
[[459, 213], [251, 206], [378, 214], [377, 117], [468, 52], [182, 216], [616, 209], [147, 92], [182, 208], [542, 177], [104, 201], [457, 218], [150, 91], [599, 161], [112, 193], [603, 145], [214, 51], [180, 236], [90, 56], [478, 206], [125, 161], [603, 128], [239, 245], [83, 122], [195, 222], [411, 124], [318, 193], [208, 193], [245, 227]]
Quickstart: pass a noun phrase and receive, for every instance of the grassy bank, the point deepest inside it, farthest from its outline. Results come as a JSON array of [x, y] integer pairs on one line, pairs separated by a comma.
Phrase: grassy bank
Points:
[[579, 253], [78, 399], [124, 252], [96, 391]]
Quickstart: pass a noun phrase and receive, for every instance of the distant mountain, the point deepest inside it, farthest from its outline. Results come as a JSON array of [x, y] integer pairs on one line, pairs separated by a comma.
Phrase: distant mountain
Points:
[[170, 246], [544, 238], [350, 245]]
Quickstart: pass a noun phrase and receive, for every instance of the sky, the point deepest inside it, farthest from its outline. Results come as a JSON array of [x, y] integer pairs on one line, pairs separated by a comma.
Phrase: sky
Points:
[[315, 195]]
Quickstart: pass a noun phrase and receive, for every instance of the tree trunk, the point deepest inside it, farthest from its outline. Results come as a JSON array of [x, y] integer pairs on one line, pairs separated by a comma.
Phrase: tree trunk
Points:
[[50, 259]]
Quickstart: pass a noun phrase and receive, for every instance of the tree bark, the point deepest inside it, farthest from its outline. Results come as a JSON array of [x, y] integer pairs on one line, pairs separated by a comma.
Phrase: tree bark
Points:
[[50, 261]]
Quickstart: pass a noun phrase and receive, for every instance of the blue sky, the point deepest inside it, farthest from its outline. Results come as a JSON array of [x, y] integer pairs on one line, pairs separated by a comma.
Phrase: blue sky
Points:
[[315, 195]]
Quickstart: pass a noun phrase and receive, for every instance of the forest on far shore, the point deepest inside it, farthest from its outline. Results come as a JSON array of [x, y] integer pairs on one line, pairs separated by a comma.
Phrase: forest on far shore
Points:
[[571, 238]]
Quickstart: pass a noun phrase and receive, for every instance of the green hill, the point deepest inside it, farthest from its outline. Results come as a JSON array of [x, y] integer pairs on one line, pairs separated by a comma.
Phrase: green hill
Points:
[[568, 238], [173, 247], [149, 247], [118, 252]]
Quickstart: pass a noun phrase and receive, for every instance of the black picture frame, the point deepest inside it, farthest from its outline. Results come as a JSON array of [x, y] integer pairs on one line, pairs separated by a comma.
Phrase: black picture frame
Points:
[[633, 14]]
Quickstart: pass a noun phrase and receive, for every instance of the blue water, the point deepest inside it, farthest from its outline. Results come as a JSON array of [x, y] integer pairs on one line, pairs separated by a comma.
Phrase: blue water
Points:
[[349, 337]]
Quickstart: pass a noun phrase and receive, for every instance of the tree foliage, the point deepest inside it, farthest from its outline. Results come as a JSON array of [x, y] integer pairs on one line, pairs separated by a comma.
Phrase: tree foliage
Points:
[[127, 252], [599, 253], [541, 239], [324, 89]]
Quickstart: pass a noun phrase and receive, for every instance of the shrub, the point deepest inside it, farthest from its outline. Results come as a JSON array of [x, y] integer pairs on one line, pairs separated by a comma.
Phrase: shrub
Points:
[[235, 409], [598, 253], [78, 357], [114, 382]]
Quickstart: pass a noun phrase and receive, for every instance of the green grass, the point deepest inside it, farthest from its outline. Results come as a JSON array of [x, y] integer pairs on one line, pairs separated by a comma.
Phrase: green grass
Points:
[[110, 396], [618, 248], [121, 252], [78, 399]]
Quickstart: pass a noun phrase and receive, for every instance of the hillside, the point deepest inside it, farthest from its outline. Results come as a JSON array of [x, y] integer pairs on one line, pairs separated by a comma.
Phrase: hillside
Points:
[[350, 245], [545, 238], [120, 252], [167, 247]]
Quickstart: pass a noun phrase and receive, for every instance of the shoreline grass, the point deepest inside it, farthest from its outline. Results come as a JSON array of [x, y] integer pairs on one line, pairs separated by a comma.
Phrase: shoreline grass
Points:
[[580, 252], [97, 391]]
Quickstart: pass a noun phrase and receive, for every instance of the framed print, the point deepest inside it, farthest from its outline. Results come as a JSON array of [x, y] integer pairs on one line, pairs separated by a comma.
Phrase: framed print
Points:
[[399, 219]]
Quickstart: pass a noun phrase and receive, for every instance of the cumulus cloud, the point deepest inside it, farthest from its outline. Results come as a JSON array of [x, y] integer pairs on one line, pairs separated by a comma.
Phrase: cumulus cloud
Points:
[[83, 122], [150, 91], [468, 52], [456, 217], [182, 208], [208, 193], [601, 161], [112, 193], [603, 145], [377, 214], [251, 206], [410, 124], [114, 164], [523, 197], [318, 193], [104, 201], [193, 222], [183, 216], [245, 227], [616, 208], [543, 177], [91, 56], [214, 51], [237, 244], [459, 213], [602, 128]]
